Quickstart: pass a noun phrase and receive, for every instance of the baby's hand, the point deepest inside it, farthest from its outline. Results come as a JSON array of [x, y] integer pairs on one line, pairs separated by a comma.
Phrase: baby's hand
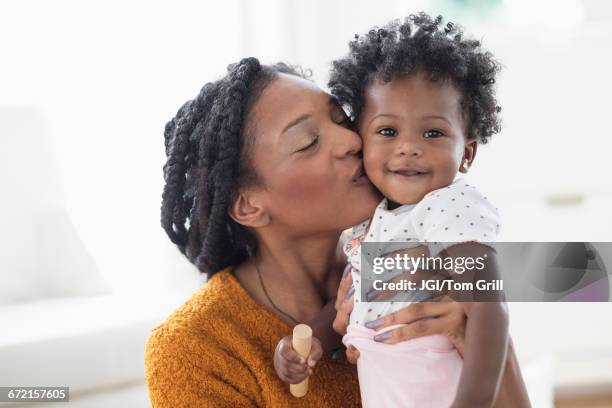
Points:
[[290, 366]]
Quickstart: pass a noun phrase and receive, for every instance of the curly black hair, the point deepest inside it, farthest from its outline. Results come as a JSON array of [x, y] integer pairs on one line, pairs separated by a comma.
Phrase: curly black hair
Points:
[[208, 161], [420, 42]]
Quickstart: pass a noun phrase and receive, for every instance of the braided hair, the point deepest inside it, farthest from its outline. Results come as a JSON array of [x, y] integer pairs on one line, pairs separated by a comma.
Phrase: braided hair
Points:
[[421, 42], [208, 161]]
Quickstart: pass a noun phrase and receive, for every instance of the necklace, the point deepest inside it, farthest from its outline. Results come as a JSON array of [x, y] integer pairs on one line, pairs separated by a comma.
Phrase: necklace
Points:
[[270, 299]]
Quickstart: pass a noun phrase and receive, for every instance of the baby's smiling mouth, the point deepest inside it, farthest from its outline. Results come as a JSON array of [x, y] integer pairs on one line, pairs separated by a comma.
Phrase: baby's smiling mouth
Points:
[[409, 171]]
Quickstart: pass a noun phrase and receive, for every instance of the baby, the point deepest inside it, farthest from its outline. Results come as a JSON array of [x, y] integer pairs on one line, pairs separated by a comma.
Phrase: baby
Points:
[[422, 99]]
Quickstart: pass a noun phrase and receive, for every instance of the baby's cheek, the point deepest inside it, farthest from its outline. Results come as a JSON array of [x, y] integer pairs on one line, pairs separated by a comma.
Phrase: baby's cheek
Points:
[[449, 166], [374, 159]]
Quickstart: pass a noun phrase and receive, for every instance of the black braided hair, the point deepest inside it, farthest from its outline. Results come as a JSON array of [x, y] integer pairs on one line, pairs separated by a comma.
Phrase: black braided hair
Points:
[[208, 162], [421, 42]]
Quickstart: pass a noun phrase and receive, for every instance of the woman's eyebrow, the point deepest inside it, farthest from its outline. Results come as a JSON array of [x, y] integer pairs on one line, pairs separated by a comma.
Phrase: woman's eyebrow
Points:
[[296, 122]]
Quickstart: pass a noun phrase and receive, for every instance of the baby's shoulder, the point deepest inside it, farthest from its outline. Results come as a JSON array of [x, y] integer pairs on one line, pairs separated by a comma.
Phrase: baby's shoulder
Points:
[[460, 195], [456, 212], [458, 190]]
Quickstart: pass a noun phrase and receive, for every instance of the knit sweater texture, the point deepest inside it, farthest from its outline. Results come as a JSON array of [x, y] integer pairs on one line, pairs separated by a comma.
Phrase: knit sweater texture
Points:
[[216, 351]]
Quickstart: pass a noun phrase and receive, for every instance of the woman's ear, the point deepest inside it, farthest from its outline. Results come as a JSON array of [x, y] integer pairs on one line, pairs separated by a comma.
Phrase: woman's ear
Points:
[[469, 153], [247, 210]]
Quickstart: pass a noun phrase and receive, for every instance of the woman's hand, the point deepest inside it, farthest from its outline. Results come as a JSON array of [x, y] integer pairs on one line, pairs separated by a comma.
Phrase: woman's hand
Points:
[[443, 316], [290, 366], [344, 307], [344, 301]]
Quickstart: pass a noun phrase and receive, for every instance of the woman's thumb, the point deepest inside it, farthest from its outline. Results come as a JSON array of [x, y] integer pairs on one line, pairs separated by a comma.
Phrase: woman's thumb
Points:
[[352, 354]]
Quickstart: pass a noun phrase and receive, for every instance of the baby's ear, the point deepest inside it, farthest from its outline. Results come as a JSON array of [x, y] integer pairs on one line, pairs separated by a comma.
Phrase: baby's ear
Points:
[[469, 153], [247, 210]]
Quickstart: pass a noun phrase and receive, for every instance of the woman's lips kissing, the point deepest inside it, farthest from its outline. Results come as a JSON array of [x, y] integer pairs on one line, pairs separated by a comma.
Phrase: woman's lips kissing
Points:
[[359, 175]]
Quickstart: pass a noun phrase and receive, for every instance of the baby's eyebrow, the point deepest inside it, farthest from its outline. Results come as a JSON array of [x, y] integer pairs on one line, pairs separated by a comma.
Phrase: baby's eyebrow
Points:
[[389, 115], [438, 117]]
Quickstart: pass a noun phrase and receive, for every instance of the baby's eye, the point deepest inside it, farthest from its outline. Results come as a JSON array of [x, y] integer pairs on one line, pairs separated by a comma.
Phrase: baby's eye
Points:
[[388, 132], [431, 133]]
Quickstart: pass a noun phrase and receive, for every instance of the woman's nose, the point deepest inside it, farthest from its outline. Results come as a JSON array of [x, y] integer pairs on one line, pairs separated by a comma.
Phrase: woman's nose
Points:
[[347, 143]]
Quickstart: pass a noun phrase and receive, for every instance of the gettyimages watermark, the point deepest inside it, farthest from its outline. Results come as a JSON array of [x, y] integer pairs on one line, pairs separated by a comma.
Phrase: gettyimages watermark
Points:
[[509, 271]]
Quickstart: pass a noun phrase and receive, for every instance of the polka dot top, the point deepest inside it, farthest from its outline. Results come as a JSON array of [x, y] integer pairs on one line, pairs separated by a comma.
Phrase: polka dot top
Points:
[[453, 214]]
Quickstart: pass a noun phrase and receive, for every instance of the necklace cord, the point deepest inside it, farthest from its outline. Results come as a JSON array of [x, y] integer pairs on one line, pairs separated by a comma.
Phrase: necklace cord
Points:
[[270, 299]]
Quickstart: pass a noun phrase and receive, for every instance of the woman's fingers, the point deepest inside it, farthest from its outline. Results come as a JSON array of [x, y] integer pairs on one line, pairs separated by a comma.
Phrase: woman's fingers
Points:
[[341, 320], [450, 323], [345, 285], [424, 327], [344, 303], [411, 313], [458, 341], [455, 322], [343, 314], [352, 354]]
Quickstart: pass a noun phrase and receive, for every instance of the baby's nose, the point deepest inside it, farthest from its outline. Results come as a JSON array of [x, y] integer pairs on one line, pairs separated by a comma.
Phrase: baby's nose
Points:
[[408, 148]]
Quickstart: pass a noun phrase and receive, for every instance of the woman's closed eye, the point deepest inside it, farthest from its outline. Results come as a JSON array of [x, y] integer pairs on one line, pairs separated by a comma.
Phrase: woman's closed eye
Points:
[[432, 133], [313, 143]]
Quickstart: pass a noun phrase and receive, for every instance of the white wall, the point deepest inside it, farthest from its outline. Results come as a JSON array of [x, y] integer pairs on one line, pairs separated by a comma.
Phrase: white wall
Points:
[[99, 80]]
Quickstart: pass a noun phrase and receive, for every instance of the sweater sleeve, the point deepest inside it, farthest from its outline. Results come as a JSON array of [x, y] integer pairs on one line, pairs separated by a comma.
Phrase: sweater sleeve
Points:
[[182, 373]]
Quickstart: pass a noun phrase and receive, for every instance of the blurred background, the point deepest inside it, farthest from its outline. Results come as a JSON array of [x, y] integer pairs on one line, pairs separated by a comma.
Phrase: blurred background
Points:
[[85, 90]]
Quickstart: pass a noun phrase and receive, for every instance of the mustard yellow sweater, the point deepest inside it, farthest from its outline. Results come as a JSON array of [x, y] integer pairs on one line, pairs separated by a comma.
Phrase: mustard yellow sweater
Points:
[[216, 351]]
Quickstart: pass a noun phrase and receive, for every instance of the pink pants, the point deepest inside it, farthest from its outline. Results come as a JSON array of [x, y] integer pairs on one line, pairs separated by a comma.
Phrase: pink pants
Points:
[[423, 372]]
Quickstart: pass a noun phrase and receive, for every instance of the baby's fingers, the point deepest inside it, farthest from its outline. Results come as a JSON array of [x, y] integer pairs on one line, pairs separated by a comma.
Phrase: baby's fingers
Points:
[[287, 352], [293, 374], [316, 351], [289, 365], [296, 369]]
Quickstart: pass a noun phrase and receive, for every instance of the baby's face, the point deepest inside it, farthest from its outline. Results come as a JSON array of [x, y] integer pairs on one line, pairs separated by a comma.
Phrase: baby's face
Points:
[[414, 137]]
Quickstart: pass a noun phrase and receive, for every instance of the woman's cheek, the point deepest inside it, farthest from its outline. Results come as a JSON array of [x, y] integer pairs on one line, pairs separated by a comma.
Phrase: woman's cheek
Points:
[[307, 183]]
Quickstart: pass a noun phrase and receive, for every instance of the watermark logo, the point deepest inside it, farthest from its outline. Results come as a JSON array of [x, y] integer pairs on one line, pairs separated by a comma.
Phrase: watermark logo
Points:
[[511, 271]]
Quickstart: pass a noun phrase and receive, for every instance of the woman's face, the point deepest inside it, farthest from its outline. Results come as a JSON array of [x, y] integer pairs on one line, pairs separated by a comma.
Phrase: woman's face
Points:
[[308, 161]]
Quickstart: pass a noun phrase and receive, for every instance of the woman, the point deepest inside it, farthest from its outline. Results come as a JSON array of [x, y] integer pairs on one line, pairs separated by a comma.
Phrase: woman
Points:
[[259, 166]]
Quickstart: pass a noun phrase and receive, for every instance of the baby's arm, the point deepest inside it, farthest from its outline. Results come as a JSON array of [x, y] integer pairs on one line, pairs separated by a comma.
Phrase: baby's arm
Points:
[[485, 352], [486, 339]]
